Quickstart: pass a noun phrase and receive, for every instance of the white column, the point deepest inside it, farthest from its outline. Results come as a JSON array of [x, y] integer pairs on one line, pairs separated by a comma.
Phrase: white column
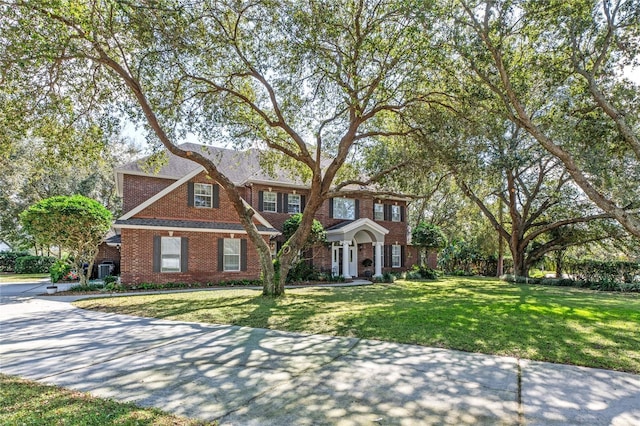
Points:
[[378, 268], [345, 260]]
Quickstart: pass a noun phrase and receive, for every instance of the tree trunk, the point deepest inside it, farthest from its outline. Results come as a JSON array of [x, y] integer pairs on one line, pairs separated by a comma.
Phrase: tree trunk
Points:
[[520, 268]]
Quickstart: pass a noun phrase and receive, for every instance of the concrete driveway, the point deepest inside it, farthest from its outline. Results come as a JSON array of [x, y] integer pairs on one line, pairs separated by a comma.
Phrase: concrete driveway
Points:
[[244, 376]]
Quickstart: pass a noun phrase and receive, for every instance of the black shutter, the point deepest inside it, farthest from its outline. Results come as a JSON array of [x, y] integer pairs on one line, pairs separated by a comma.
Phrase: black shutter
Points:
[[402, 214], [402, 255], [220, 254], [279, 206], [243, 254], [331, 208], [285, 203], [190, 196], [387, 256], [387, 211], [261, 200], [184, 254], [216, 196], [157, 252], [279, 245], [357, 213], [303, 201]]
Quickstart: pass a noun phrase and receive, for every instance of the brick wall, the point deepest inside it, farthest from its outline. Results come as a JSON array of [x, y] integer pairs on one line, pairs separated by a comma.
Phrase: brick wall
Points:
[[137, 189], [106, 253], [137, 258]]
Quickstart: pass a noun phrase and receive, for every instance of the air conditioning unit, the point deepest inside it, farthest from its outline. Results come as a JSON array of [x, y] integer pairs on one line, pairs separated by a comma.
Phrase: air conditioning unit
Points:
[[104, 269]]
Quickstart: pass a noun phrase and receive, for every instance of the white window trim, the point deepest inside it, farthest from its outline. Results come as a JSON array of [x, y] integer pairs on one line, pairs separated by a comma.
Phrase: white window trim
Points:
[[395, 256], [396, 214], [335, 211], [209, 195], [299, 203], [224, 255], [275, 202], [381, 212], [170, 255]]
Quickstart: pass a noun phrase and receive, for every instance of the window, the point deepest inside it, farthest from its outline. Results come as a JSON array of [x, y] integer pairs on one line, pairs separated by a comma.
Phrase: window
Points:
[[269, 202], [395, 214], [170, 254], [396, 256], [378, 211], [344, 208], [293, 203], [203, 195], [231, 260]]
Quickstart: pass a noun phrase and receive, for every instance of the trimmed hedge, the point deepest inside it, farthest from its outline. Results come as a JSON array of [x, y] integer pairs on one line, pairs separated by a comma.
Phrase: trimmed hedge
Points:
[[8, 260], [34, 264], [591, 274]]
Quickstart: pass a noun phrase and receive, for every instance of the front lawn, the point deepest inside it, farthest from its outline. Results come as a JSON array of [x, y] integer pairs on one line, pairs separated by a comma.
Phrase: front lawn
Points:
[[562, 325], [23, 402], [22, 278]]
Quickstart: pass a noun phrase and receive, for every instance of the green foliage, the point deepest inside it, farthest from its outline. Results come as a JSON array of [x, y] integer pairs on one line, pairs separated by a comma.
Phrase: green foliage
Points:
[[302, 271], [8, 260], [59, 270], [316, 236], [109, 279], [34, 264], [386, 277], [428, 236], [422, 272], [76, 224]]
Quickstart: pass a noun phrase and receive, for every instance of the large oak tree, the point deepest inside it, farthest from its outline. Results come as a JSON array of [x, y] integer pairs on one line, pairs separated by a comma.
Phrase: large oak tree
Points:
[[309, 81]]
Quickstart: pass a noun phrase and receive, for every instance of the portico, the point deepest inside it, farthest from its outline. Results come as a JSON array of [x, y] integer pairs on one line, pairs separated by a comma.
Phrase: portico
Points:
[[345, 238]]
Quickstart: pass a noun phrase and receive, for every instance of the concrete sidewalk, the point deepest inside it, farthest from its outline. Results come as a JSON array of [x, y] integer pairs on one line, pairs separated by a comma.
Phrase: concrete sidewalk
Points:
[[244, 376]]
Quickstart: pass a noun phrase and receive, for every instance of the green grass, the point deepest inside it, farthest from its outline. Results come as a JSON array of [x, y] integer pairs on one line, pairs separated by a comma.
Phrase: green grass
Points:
[[23, 402], [21, 278], [562, 325]]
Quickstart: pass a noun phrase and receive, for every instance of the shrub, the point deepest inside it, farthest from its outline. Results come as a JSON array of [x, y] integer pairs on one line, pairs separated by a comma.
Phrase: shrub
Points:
[[34, 264], [8, 260], [85, 288], [302, 271], [59, 270], [109, 279], [422, 272]]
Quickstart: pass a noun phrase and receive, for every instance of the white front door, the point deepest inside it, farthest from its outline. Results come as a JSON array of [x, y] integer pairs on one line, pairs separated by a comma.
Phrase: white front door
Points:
[[336, 259]]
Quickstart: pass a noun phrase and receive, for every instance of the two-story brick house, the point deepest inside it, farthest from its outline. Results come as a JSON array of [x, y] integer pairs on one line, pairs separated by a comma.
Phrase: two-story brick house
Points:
[[178, 225]]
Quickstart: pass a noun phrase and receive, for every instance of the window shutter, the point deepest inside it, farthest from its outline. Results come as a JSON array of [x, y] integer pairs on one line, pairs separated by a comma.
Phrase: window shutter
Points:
[[303, 201], [220, 254], [357, 215], [331, 208], [402, 255], [184, 254], [261, 200], [279, 206], [157, 252], [243, 254], [402, 213], [285, 203], [190, 196], [279, 245], [387, 211], [216, 196], [387, 256]]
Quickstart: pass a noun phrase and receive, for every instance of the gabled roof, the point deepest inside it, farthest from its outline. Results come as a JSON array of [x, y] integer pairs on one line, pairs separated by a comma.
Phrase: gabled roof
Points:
[[239, 166]]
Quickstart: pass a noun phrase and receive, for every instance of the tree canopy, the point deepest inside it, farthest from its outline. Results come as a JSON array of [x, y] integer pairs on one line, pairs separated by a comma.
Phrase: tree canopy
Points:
[[76, 224]]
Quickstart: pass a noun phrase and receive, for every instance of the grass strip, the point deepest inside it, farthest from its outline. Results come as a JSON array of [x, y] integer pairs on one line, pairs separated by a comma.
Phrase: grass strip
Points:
[[24, 402], [554, 324]]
